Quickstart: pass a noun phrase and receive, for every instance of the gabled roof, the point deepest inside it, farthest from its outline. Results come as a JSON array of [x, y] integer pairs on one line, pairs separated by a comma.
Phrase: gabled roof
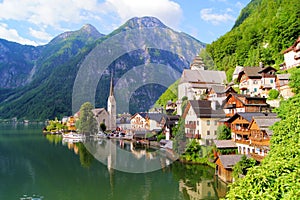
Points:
[[228, 161], [264, 122], [202, 76], [223, 144], [152, 116], [242, 98], [266, 69], [249, 115], [203, 109], [219, 89], [252, 71], [98, 111]]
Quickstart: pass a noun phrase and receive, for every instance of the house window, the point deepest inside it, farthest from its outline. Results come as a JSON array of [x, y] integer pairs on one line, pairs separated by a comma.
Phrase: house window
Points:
[[255, 89], [215, 132], [216, 122], [271, 81], [208, 132], [208, 122], [197, 123]]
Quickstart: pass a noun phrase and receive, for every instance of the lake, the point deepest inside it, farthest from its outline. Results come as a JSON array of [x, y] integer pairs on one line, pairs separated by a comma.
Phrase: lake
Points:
[[33, 166]]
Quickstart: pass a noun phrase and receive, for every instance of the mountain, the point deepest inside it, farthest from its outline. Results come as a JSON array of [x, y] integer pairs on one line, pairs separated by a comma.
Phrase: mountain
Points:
[[47, 91], [261, 32]]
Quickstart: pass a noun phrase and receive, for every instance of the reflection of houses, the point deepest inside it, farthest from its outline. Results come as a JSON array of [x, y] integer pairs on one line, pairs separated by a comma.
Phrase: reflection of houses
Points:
[[203, 190], [260, 135], [292, 55], [146, 121], [201, 120], [224, 166], [257, 80], [167, 123], [240, 130], [282, 84], [243, 103]]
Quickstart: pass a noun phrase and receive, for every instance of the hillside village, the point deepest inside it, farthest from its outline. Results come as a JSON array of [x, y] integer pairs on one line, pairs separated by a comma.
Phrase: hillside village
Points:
[[207, 101]]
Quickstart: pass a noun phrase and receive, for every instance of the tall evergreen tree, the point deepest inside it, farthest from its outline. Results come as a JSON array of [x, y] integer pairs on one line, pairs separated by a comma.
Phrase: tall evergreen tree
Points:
[[87, 120]]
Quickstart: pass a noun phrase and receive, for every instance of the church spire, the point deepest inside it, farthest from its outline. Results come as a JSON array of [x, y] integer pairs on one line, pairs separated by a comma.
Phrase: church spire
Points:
[[111, 90]]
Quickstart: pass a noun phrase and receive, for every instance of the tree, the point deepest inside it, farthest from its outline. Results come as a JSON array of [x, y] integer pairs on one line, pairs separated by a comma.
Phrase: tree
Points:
[[273, 94], [242, 166], [223, 133], [102, 127], [179, 140], [87, 121], [295, 81]]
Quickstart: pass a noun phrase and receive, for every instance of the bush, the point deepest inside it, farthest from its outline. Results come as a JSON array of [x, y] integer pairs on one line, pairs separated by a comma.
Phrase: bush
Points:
[[273, 94]]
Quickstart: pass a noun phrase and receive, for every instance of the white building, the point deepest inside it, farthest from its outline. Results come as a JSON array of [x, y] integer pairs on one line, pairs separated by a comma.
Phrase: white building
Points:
[[201, 120], [292, 55]]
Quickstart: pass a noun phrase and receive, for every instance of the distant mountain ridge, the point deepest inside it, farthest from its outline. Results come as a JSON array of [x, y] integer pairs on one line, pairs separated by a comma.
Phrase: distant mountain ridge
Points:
[[46, 88]]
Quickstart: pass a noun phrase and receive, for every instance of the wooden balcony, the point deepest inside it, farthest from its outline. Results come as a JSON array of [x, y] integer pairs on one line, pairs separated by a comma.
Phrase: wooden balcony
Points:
[[247, 142], [241, 131]]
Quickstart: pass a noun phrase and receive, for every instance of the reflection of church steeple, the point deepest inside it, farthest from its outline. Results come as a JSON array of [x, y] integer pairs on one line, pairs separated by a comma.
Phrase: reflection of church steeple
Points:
[[111, 107]]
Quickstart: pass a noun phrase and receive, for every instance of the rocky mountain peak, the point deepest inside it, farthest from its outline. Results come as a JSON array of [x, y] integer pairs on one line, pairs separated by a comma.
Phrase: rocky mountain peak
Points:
[[144, 22]]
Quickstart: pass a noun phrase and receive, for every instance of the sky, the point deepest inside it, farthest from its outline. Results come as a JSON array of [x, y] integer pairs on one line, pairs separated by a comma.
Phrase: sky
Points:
[[36, 22]]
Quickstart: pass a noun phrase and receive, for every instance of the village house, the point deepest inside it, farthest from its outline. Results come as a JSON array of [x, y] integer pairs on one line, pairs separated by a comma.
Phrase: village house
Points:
[[257, 81], [240, 130], [123, 121], [235, 103], [292, 56], [146, 121], [224, 166], [282, 85], [260, 135], [201, 120]]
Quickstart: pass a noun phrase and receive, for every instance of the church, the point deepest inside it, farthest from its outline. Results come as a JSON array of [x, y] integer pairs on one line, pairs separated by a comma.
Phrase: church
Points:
[[109, 116]]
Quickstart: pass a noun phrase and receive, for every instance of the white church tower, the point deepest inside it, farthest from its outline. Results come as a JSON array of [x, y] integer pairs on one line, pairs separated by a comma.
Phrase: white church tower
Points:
[[111, 108]]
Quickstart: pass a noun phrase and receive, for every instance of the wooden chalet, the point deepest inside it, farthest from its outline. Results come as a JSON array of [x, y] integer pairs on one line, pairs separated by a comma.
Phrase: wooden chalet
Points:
[[235, 103], [225, 147], [260, 135], [240, 129]]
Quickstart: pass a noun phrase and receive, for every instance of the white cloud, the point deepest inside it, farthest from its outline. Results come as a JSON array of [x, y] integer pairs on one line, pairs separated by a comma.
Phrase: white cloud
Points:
[[167, 11], [215, 18], [40, 34], [13, 35], [48, 13]]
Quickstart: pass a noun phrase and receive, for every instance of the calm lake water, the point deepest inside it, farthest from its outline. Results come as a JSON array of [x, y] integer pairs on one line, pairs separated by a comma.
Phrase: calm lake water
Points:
[[33, 166]]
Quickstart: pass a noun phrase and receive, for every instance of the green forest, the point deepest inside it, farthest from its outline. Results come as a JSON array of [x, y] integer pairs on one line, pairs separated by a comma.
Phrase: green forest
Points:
[[263, 30]]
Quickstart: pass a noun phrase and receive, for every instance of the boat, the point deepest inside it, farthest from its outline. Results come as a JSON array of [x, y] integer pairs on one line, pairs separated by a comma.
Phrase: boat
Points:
[[76, 137]]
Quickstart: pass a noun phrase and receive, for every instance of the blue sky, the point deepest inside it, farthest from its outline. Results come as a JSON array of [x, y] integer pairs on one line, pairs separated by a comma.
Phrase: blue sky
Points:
[[36, 22]]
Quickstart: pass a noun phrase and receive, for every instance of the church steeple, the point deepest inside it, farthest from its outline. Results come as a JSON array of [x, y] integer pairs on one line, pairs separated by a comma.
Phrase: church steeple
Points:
[[112, 107], [111, 89]]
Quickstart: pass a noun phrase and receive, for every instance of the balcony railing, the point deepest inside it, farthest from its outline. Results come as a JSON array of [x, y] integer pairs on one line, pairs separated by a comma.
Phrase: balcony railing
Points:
[[242, 141], [241, 131]]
